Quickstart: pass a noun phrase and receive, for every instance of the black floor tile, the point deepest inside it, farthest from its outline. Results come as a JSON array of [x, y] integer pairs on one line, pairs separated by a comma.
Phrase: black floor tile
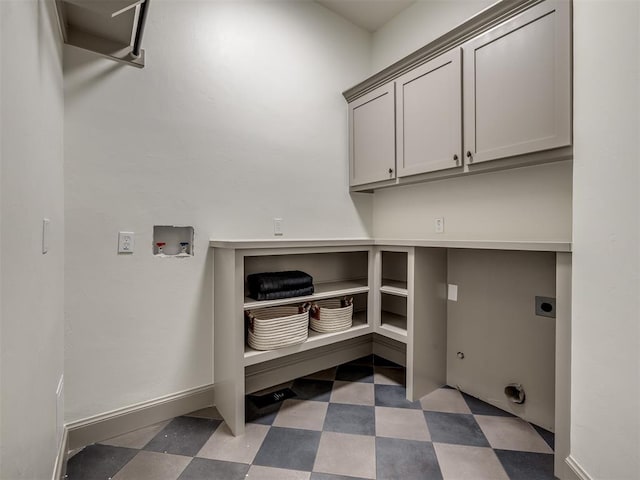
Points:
[[548, 436], [526, 465], [356, 419], [98, 462], [393, 396], [289, 448], [366, 360], [406, 459], [317, 390], [201, 468], [478, 407], [383, 362], [355, 373], [455, 428], [183, 436]]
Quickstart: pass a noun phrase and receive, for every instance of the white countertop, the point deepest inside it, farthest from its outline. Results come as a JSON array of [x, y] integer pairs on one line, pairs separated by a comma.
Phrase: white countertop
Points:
[[537, 246]]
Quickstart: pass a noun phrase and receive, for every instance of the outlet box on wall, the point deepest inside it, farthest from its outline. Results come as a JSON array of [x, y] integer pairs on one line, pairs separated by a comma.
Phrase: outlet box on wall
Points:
[[172, 241]]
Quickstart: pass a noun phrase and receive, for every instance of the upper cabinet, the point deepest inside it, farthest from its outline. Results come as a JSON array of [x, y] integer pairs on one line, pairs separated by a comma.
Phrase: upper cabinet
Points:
[[517, 85], [372, 137], [500, 91], [429, 116]]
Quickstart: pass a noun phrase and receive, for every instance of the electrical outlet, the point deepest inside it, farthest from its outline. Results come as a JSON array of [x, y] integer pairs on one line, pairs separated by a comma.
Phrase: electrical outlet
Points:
[[126, 242], [439, 225], [277, 227]]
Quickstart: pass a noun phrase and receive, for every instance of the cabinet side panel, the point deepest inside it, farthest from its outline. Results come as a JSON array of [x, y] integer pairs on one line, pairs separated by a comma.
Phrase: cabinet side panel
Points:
[[563, 364], [427, 333], [228, 338]]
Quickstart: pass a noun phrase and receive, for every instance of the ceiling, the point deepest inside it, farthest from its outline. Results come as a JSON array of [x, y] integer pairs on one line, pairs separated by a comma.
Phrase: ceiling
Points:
[[368, 14]]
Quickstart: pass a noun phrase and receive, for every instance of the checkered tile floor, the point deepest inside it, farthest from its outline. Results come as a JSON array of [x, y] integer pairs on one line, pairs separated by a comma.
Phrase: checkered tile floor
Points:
[[350, 422]]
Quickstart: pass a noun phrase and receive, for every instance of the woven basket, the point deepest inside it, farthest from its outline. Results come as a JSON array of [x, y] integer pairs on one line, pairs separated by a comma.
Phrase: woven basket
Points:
[[332, 315], [277, 327]]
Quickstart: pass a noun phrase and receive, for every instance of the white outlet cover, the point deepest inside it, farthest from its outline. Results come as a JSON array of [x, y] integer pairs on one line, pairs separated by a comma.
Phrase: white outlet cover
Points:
[[277, 227], [439, 225], [452, 293], [126, 242]]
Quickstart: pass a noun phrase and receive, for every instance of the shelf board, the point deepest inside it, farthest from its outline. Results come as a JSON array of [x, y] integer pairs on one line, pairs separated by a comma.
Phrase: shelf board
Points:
[[321, 291], [394, 287], [109, 8], [315, 340], [393, 326], [524, 245]]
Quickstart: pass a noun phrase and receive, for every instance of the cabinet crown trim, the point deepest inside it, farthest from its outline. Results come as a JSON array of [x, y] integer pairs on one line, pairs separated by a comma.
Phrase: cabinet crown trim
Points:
[[479, 23]]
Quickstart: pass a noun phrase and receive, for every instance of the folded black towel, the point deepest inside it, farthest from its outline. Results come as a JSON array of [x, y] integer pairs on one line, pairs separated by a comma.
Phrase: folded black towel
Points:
[[298, 292], [278, 281]]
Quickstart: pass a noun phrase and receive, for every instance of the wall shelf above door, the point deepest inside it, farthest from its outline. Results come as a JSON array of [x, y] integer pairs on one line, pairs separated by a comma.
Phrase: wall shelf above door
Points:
[[112, 29]]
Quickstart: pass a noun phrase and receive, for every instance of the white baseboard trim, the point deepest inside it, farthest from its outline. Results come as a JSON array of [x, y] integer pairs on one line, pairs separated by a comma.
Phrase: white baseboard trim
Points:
[[60, 467], [123, 420], [577, 469], [390, 349]]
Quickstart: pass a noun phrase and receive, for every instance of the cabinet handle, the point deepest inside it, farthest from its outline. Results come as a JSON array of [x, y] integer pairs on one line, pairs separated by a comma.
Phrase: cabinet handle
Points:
[[455, 158], [469, 156]]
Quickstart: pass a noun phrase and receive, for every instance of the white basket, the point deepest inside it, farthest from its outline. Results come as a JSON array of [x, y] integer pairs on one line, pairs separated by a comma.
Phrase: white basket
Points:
[[330, 316], [277, 327]]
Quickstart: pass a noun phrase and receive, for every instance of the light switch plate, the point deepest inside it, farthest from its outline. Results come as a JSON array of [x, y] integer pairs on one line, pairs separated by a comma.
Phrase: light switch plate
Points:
[[452, 292]]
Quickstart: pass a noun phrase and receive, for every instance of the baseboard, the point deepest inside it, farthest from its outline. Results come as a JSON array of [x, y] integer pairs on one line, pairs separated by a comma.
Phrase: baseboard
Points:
[[118, 422], [576, 469], [389, 349], [60, 467]]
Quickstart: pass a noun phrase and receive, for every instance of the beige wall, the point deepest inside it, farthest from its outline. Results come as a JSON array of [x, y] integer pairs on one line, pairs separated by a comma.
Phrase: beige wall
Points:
[[31, 284], [418, 25], [605, 414], [236, 118], [532, 203]]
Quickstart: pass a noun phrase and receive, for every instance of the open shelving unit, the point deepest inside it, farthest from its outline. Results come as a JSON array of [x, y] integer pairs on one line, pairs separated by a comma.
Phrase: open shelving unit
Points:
[[394, 294], [339, 269], [400, 309]]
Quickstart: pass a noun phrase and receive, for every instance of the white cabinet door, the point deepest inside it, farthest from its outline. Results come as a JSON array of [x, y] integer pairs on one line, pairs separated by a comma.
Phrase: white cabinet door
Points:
[[429, 116], [517, 85], [372, 149]]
